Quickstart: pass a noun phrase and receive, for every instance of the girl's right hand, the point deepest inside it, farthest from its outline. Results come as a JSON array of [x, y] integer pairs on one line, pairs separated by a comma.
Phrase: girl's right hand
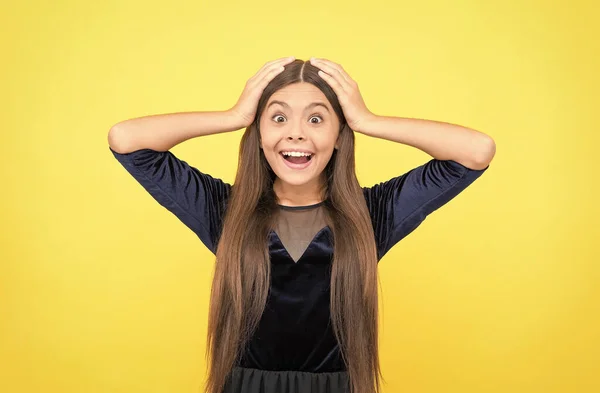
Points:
[[246, 106]]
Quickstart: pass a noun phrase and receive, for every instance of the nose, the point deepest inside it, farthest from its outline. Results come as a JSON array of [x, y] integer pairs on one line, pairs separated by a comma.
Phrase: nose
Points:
[[296, 132]]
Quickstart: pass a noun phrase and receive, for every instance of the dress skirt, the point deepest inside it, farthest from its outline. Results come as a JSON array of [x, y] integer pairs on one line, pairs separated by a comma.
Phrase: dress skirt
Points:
[[252, 380]]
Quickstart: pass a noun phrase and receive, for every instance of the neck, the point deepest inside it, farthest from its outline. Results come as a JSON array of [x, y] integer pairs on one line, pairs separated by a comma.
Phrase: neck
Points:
[[297, 195]]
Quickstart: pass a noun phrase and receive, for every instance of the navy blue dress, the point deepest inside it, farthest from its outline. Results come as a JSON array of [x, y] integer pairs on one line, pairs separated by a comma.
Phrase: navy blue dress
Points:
[[294, 349]]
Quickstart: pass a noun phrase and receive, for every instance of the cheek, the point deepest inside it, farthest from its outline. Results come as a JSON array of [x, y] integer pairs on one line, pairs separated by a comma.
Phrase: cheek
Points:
[[268, 147], [266, 142], [326, 144]]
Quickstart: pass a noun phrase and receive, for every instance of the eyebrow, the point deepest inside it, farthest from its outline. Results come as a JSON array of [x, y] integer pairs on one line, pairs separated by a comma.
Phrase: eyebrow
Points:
[[307, 107]]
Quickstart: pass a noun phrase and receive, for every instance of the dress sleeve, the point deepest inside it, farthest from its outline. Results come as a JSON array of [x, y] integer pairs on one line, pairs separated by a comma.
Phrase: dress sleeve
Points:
[[398, 206], [195, 198]]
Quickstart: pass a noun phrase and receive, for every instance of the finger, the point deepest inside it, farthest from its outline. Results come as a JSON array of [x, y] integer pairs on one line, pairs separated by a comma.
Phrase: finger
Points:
[[262, 83], [267, 74], [276, 61], [334, 83], [334, 74], [337, 67], [270, 65]]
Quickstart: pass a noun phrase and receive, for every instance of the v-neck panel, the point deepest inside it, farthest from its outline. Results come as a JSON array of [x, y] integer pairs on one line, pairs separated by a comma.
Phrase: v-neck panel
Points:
[[289, 256]]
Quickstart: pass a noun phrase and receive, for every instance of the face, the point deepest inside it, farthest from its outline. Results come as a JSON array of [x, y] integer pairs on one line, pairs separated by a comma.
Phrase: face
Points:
[[292, 121]]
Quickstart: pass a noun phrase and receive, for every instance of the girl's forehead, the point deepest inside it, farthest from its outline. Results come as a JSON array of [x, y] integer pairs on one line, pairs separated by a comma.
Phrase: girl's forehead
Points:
[[298, 99], [298, 91]]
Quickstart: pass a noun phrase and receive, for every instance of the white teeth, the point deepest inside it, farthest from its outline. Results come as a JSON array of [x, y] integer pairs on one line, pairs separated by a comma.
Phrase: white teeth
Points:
[[295, 154]]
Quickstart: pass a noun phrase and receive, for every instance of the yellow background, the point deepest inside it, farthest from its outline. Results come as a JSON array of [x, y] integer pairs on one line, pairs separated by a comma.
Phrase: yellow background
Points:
[[103, 290]]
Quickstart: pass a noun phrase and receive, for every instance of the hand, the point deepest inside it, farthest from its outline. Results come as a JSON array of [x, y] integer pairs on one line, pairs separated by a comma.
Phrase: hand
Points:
[[246, 106], [347, 91]]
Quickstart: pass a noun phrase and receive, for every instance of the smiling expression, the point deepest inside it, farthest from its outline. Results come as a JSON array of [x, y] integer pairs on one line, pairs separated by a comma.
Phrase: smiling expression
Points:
[[299, 118]]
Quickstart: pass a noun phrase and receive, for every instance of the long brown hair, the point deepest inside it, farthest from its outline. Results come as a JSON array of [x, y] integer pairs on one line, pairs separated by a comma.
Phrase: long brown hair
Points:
[[243, 271]]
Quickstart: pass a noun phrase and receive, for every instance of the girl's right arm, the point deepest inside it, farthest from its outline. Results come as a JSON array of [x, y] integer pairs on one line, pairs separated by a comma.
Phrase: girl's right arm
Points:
[[162, 132], [142, 145], [197, 199]]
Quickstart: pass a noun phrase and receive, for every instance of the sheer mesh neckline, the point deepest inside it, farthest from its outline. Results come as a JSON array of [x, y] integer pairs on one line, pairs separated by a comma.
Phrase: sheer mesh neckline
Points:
[[297, 227]]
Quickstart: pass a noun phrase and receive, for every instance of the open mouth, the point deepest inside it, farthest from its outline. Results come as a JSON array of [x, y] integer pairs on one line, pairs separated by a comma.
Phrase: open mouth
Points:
[[296, 160]]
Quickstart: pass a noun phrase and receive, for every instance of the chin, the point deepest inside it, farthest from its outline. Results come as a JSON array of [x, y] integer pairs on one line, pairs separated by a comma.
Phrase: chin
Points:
[[294, 180], [293, 176]]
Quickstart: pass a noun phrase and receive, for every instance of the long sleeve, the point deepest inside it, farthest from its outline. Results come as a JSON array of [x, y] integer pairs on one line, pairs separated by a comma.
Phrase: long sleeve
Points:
[[195, 198], [398, 206]]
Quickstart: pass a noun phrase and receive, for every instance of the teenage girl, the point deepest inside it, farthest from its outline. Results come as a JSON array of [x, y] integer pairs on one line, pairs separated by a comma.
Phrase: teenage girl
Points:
[[297, 240]]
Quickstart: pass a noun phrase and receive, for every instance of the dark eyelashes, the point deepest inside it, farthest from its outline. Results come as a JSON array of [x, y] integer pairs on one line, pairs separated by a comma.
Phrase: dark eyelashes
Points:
[[310, 117]]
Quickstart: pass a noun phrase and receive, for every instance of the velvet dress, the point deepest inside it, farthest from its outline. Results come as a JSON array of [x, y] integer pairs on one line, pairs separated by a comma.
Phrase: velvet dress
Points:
[[294, 349]]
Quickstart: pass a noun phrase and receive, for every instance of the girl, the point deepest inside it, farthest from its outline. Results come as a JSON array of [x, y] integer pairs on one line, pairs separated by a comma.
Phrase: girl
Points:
[[296, 238]]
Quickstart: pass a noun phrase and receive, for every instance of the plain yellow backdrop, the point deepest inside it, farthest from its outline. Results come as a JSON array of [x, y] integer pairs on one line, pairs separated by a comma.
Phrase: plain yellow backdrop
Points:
[[103, 290]]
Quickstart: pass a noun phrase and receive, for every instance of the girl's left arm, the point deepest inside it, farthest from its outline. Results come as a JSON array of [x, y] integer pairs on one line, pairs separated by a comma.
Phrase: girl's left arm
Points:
[[443, 141]]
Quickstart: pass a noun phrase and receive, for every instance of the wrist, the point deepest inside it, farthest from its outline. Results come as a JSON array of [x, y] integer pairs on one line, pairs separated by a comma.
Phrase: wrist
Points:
[[364, 123], [236, 119]]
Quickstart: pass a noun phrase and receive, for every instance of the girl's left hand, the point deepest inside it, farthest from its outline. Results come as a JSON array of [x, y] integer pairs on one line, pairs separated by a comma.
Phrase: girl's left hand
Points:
[[346, 89]]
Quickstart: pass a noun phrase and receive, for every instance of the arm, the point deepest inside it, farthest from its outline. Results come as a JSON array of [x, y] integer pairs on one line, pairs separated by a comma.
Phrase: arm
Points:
[[162, 132], [442, 141], [142, 146], [197, 199], [399, 205]]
